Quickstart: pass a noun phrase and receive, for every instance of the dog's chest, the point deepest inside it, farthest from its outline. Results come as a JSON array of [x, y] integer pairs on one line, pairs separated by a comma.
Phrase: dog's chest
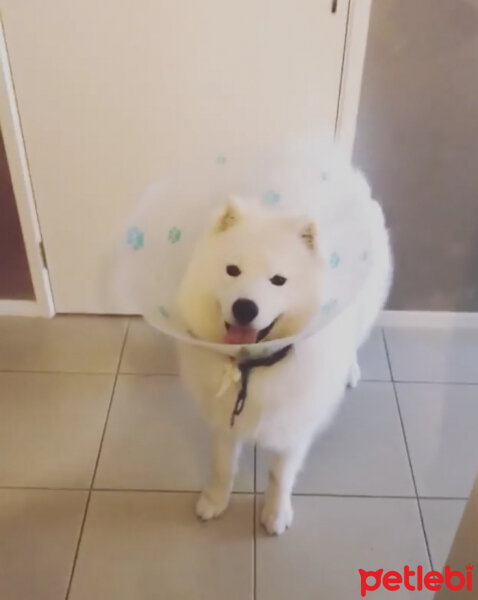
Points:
[[281, 399]]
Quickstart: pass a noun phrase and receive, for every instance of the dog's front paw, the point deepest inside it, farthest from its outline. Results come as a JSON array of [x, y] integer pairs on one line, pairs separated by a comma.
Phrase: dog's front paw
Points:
[[277, 520], [211, 505]]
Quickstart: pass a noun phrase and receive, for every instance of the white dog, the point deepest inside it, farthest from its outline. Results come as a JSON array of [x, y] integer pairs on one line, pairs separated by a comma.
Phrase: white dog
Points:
[[257, 274]]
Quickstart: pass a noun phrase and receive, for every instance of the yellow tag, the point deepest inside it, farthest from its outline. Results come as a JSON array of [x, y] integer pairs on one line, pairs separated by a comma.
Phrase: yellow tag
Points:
[[230, 376]]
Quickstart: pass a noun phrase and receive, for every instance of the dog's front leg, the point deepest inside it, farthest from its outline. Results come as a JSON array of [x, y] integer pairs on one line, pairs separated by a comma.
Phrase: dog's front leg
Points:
[[214, 498], [277, 513]]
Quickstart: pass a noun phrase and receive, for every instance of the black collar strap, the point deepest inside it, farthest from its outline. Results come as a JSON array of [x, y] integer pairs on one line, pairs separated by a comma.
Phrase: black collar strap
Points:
[[246, 367]]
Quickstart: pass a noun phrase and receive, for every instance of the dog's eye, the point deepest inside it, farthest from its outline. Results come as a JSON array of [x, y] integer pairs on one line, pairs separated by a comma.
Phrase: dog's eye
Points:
[[278, 280], [233, 270]]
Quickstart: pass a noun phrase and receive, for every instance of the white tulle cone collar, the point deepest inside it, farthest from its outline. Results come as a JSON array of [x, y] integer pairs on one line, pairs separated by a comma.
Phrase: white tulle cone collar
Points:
[[303, 178]]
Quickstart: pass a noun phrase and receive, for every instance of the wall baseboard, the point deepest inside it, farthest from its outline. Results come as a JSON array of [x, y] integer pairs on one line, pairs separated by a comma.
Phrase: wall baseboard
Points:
[[21, 308], [418, 318]]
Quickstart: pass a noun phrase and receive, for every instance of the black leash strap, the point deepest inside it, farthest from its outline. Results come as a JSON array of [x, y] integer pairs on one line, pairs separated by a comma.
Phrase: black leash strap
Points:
[[245, 369]]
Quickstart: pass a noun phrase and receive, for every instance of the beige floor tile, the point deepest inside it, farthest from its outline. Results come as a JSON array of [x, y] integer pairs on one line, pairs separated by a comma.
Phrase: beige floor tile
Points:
[[440, 425], [148, 351], [39, 531], [156, 440], [330, 539], [50, 427], [363, 452], [441, 518], [87, 344], [433, 354], [372, 358], [150, 546]]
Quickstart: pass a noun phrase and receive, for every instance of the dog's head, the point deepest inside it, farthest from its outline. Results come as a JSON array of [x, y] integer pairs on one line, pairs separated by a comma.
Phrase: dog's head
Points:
[[255, 275]]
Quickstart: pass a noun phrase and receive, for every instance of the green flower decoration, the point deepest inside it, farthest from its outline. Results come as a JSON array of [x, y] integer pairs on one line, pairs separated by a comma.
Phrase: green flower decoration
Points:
[[164, 312], [135, 238], [334, 260], [221, 159], [174, 235]]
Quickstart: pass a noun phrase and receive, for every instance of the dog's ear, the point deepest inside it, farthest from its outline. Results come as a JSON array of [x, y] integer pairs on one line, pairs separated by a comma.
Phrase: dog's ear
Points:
[[308, 233], [230, 214], [306, 230]]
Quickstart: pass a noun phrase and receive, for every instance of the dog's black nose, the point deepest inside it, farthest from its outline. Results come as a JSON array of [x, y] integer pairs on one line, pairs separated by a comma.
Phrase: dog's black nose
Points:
[[244, 311]]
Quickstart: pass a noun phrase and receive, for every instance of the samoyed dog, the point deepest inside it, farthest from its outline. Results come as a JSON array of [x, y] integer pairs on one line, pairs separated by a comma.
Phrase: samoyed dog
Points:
[[256, 275]]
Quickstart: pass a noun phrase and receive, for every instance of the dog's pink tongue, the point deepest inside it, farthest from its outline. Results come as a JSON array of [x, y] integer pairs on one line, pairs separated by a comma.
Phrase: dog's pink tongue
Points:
[[240, 335]]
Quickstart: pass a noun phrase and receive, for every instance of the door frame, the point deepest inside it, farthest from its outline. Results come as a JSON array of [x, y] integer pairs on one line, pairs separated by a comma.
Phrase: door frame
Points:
[[23, 191], [355, 46]]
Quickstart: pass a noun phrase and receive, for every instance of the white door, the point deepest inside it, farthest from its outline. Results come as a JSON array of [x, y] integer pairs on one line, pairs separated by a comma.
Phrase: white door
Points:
[[42, 303], [111, 93]]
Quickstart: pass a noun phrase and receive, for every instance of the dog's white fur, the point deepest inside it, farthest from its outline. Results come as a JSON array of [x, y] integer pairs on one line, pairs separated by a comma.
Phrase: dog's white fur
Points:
[[289, 403]]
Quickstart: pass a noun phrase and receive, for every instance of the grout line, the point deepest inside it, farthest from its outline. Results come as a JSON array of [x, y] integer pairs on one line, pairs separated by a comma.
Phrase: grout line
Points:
[[254, 530], [53, 372], [385, 347], [80, 537], [147, 374], [366, 496], [155, 491], [419, 506], [431, 382], [176, 374], [387, 352], [235, 493], [109, 406], [460, 498], [77, 549], [44, 488], [151, 374], [47, 372]]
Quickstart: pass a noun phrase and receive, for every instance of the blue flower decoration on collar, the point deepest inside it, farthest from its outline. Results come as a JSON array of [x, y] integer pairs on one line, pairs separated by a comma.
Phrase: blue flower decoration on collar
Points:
[[271, 197], [334, 260], [329, 307]]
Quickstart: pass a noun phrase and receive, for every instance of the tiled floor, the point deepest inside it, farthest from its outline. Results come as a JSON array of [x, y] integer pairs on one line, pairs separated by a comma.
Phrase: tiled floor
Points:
[[101, 456]]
